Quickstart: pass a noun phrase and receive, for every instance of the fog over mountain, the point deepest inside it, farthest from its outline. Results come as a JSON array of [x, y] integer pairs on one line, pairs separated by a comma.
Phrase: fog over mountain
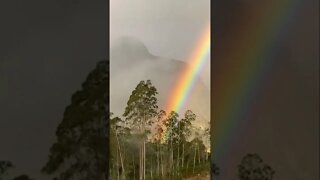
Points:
[[131, 62]]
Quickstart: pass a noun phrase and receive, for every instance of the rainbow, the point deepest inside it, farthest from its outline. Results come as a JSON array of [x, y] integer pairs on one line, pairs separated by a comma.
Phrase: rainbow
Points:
[[189, 75], [241, 72], [241, 69]]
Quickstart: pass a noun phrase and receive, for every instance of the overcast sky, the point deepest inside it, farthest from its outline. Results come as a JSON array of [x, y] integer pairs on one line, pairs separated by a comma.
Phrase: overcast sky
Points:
[[168, 28]]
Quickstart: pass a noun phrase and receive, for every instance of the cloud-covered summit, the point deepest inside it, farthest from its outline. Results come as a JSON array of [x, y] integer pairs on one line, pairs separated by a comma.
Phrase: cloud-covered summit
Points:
[[131, 62], [132, 47]]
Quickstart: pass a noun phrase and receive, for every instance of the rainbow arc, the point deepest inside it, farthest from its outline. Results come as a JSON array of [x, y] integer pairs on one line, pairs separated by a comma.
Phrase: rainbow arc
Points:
[[188, 77]]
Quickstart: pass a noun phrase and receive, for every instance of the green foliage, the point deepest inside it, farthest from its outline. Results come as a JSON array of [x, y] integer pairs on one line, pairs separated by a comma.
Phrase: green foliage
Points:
[[121, 133], [141, 109], [142, 105], [186, 123], [158, 128], [4, 167], [215, 169], [81, 148], [252, 167], [22, 177], [171, 123], [169, 154]]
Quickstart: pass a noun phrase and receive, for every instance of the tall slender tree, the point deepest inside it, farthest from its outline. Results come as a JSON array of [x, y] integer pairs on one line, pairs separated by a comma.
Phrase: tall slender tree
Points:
[[185, 131], [141, 109], [171, 136], [158, 128], [121, 133]]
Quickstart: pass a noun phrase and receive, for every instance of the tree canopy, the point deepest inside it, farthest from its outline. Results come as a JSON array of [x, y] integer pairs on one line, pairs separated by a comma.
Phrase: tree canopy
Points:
[[146, 143], [80, 151], [252, 167]]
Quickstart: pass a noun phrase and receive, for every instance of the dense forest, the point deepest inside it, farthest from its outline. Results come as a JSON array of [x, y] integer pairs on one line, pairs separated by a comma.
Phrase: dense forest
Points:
[[148, 143], [145, 143]]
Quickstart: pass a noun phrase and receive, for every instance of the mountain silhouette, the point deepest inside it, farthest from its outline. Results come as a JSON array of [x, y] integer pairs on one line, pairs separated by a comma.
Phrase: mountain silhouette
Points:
[[132, 62]]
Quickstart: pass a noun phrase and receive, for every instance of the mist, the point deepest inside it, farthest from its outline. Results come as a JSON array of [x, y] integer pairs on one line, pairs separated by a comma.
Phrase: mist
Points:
[[131, 62]]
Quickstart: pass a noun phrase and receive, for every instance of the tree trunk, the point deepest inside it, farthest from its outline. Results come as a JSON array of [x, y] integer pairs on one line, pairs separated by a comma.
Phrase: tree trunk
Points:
[[162, 171], [158, 159], [140, 162], [187, 164], [121, 160], [194, 158], [199, 156], [134, 168], [144, 146], [141, 170], [151, 169], [182, 159], [207, 156], [117, 169], [171, 159], [144, 159]]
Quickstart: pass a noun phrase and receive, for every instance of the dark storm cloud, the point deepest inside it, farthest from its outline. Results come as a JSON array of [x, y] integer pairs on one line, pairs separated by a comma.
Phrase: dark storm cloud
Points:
[[47, 48]]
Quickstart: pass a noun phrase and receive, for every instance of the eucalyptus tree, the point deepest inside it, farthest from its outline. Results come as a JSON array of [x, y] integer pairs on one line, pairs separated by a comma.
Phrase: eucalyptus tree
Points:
[[170, 137], [158, 125], [118, 135], [141, 109], [207, 139], [185, 126]]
